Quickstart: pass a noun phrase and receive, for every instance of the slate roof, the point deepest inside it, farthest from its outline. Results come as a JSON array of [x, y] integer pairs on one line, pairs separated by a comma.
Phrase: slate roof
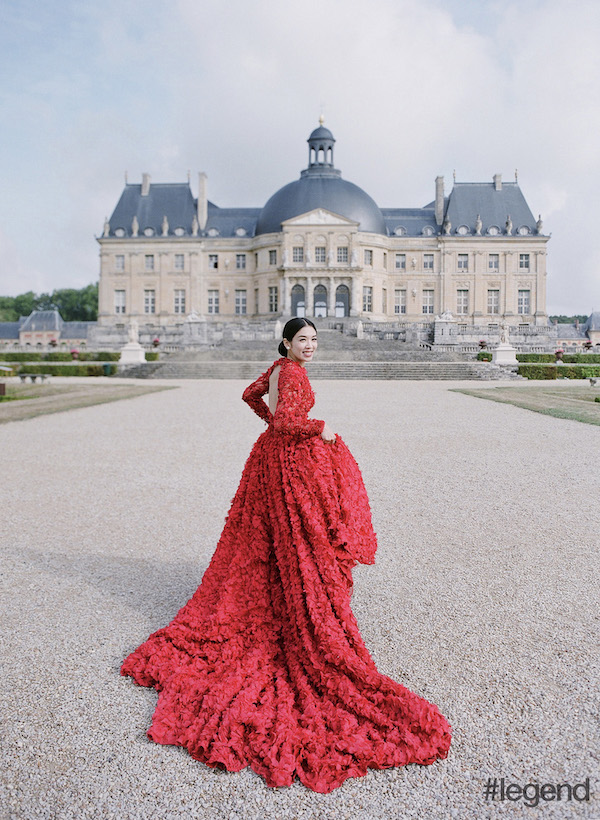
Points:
[[468, 199], [42, 320], [76, 330], [228, 220], [413, 220], [570, 331], [174, 200], [9, 330], [593, 321]]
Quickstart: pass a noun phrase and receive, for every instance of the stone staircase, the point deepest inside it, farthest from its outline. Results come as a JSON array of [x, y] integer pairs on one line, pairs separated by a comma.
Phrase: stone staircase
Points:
[[249, 370]]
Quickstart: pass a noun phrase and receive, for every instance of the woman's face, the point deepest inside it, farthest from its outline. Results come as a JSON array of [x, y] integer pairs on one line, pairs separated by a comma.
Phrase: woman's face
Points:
[[303, 346]]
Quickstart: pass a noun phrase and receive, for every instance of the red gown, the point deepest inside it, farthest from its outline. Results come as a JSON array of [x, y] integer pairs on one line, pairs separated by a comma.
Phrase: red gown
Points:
[[265, 666]]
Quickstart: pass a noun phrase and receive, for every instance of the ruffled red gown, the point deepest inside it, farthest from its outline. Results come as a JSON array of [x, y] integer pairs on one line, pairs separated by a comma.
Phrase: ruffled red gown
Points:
[[265, 666]]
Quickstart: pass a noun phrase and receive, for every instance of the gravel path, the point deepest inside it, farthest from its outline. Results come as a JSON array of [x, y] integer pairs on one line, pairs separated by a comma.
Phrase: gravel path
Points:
[[484, 598]]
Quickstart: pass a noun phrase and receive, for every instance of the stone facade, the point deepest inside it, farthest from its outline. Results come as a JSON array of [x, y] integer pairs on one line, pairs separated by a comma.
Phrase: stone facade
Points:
[[320, 247]]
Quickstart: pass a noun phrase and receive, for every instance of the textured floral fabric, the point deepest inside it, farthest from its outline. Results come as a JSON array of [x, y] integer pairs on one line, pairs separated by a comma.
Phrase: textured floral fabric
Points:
[[265, 666]]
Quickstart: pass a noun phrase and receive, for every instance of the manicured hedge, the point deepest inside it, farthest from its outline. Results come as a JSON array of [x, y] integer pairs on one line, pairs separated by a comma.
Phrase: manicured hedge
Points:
[[484, 356], [570, 358], [68, 369], [537, 371], [559, 371], [20, 357], [152, 355], [577, 371]]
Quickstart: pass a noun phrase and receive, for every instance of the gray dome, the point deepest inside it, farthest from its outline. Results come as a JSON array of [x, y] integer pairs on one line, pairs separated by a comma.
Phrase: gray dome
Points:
[[321, 186], [321, 191], [321, 133]]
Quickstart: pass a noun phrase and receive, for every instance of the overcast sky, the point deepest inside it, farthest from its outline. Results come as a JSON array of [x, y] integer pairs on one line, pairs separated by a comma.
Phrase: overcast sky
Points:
[[410, 88]]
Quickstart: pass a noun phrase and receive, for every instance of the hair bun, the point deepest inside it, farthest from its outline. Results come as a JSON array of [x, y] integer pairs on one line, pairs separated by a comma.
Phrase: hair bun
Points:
[[282, 349]]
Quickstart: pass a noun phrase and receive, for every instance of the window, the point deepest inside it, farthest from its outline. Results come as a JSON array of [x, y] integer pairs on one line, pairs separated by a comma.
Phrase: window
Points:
[[427, 301], [240, 302], [149, 301], [149, 261], [384, 300], [320, 254], [367, 298], [119, 301], [256, 300], [240, 261], [178, 261], [369, 258], [179, 306], [342, 254], [213, 260], [523, 302], [298, 254], [427, 261], [462, 301], [493, 301], [523, 261], [272, 259], [384, 259], [494, 261], [400, 261], [273, 298], [400, 301], [213, 301], [463, 261], [256, 261], [120, 262]]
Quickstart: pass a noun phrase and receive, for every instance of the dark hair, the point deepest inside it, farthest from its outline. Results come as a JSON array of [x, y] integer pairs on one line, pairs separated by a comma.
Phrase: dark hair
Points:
[[289, 331]]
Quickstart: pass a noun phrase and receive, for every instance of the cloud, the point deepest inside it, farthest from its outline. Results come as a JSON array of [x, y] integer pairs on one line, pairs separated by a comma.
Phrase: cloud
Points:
[[410, 89]]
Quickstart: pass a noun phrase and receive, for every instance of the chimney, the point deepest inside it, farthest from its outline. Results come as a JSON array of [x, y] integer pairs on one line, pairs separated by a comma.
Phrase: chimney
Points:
[[145, 184], [202, 201], [439, 200], [576, 324], [498, 182]]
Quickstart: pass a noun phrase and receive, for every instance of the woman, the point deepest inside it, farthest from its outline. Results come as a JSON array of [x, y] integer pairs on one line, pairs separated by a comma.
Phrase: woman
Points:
[[265, 666]]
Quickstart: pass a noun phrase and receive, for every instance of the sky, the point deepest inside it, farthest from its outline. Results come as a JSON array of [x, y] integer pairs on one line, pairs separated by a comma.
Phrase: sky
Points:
[[411, 89]]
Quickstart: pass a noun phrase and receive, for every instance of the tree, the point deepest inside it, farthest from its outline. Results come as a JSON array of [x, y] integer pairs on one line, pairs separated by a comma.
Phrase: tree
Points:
[[73, 305]]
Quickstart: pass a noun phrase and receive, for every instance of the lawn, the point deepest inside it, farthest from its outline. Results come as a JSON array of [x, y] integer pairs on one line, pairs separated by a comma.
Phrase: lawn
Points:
[[564, 401], [24, 401]]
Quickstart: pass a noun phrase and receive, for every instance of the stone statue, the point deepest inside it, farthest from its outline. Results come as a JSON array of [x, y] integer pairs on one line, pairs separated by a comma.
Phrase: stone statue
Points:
[[446, 316], [106, 227], [413, 263], [195, 226], [135, 226], [133, 332], [509, 225], [478, 225], [165, 226], [539, 225], [504, 333], [447, 227], [354, 258]]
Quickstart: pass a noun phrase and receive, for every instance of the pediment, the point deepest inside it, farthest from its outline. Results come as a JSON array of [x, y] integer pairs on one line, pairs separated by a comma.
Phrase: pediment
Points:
[[319, 216]]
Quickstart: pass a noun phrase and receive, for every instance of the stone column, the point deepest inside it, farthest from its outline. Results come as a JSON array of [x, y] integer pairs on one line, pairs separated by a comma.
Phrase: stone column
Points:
[[310, 300], [285, 307], [331, 297], [510, 292], [355, 296]]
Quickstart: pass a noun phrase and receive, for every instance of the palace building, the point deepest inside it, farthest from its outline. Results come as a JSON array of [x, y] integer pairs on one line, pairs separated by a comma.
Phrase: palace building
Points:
[[321, 247]]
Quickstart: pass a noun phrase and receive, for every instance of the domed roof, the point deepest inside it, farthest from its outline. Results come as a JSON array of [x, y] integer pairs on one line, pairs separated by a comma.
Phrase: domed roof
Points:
[[321, 186], [321, 133]]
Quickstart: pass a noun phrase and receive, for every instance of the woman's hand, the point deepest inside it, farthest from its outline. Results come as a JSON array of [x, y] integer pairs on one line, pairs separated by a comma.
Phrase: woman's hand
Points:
[[327, 434]]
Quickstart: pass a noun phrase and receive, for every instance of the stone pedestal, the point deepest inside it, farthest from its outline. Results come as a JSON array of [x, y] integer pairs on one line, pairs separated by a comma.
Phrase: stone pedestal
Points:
[[195, 331], [504, 354], [132, 353]]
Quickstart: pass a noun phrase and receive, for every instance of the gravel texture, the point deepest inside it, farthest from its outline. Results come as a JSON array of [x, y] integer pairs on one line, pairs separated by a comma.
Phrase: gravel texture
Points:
[[484, 598]]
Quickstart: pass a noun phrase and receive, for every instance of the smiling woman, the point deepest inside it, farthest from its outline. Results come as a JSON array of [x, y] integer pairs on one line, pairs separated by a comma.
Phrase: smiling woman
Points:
[[265, 665]]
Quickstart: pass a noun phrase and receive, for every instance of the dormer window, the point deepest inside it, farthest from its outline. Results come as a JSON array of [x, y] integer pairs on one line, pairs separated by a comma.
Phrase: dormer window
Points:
[[148, 231], [120, 232], [493, 230], [179, 231]]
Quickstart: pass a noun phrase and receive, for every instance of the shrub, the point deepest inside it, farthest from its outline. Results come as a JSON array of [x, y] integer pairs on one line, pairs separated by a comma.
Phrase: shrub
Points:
[[67, 369], [152, 355], [536, 357], [537, 371], [21, 357], [484, 356], [578, 371]]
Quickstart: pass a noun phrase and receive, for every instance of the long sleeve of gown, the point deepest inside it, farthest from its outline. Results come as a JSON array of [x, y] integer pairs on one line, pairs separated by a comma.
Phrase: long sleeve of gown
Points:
[[253, 394], [295, 396]]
